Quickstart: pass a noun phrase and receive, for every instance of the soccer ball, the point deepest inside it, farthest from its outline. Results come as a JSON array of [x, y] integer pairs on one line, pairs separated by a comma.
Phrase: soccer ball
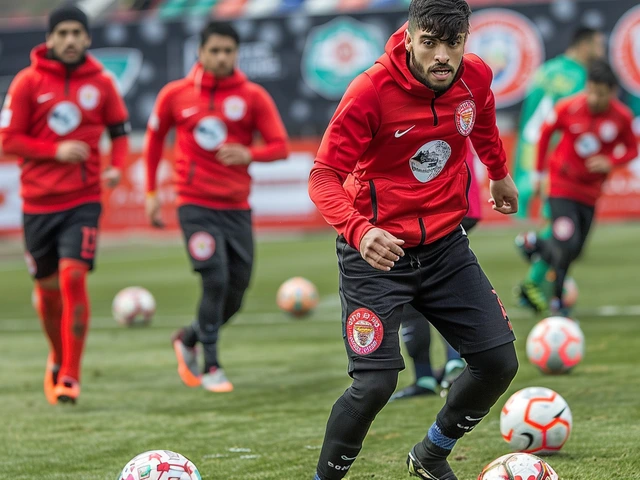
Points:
[[536, 420], [555, 345], [133, 305], [160, 465], [297, 296], [518, 466]]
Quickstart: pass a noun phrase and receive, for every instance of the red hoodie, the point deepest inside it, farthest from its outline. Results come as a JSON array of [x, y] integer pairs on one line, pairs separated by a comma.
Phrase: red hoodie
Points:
[[394, 153], [48, 103], [584, 135], [208, 112]]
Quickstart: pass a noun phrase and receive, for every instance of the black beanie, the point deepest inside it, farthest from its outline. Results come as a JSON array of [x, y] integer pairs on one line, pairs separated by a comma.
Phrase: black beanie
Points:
[[67, 13]]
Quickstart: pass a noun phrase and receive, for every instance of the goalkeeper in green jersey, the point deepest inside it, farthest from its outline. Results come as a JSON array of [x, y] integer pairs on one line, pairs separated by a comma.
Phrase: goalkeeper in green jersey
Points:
[[556, 79]]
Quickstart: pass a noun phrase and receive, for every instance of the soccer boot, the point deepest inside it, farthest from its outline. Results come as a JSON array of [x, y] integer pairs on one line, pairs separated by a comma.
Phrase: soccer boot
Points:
[[452, 370], [534, 296], [439, 469], [423, 386], [67, 391], [187, 361], [216, 381], [50, 380]]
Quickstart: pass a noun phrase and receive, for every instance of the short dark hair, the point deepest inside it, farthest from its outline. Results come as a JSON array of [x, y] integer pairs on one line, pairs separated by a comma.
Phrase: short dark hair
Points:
[[445, 19], [601, 72], [219, 28], [583, 34]]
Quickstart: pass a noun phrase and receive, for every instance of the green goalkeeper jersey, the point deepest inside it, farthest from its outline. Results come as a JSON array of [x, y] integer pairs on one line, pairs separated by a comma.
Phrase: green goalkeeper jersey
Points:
[[556, 79]]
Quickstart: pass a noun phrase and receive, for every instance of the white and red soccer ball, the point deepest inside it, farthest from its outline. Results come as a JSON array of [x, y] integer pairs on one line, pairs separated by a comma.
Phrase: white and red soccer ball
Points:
[[160, 465], [536, 420], [133, 306], [555, 345], [518, 466], [297, 296]]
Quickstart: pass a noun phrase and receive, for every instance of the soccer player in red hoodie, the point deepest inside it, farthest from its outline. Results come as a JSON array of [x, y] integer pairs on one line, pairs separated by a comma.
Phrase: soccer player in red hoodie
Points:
[[391, 177], [216, 112], [53, 117], [596, 136]]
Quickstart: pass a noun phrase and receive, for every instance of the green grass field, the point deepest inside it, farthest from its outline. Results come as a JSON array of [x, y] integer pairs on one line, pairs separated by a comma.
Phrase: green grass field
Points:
[[288, 373]]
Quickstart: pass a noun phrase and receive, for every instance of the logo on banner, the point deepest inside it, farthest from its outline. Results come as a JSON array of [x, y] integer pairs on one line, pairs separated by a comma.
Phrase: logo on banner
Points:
[[364, 331], [125, 64], [429, 161], [338, 51], [64, 118], [625, 50], [210, 133], [512, 46], [466, 117]]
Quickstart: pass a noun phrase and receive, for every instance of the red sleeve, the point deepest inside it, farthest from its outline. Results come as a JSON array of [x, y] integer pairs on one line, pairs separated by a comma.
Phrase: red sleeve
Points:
[[550, 125], [119, 151], [15, 120], [160, 121], [271, 128], [628, 139], [347, 137], [485, 137]]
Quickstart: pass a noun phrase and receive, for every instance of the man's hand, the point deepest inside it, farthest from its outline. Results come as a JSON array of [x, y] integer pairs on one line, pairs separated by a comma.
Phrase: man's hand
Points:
[[72, 151], [504, 195], [599, 164], [234, 154], [381, 249], [112, 176], [152, 209]]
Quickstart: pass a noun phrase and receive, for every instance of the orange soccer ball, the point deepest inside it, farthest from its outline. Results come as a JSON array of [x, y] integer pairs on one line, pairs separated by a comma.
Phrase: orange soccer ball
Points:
[[297, 296]]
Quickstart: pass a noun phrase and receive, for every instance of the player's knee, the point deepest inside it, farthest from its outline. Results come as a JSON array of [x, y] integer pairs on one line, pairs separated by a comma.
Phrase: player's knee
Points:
[[371, 390], [52, 282], [498, 365], [73, 273], [213, 282]]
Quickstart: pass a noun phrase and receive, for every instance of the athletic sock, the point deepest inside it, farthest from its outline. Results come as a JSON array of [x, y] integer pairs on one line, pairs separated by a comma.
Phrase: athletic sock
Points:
[[49, 307]]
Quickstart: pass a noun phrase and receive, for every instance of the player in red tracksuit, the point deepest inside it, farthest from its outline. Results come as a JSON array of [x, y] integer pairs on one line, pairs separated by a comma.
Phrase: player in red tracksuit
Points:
[[53, 117], [391, 177], [597, 136], [216, 112]]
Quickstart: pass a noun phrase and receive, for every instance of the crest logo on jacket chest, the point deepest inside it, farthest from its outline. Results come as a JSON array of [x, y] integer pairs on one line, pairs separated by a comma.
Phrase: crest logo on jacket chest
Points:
[[465, 117], [429, 160], [234, 108], [64, 118]]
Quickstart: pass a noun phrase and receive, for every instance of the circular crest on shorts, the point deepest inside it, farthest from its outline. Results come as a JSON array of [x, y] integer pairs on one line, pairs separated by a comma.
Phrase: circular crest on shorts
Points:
[[563, 228], [364, 331], [202, 246], [32, 267], [466, 117]]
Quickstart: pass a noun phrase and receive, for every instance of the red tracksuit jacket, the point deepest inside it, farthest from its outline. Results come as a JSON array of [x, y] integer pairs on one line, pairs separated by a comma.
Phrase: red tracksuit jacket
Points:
[[207, 113], [584, 135], [47, 104], [394, 153]]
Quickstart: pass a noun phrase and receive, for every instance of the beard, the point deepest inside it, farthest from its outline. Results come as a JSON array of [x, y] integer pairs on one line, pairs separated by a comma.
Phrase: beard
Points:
[[422, 75]]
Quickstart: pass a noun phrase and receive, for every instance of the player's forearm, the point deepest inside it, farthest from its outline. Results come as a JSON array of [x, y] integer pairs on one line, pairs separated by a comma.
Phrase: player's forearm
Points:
[[25, 146], [631, 152], [152, 155], [119, 151], [327, 193], [274, 150]]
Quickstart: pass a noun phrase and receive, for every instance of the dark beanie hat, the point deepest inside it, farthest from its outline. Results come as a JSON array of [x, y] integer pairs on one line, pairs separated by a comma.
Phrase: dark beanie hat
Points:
[[66, 13]]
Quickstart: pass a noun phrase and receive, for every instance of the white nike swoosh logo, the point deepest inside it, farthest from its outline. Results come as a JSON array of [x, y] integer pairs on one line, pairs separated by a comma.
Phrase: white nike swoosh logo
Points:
[[473, 419], [187, 112], [45, 97], [344, 457], [399, 133]]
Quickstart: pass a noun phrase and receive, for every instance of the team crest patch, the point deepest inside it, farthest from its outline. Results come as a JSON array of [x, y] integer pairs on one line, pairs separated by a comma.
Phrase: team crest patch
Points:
[[364, 331], [88, 97], [608, 131], [563, 228], [234, 108], [466, 117], [202, 246]]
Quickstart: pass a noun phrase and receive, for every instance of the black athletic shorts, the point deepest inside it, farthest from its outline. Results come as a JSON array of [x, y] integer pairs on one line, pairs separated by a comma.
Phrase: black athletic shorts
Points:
[[218, 239], [441, 280], [50, 237]]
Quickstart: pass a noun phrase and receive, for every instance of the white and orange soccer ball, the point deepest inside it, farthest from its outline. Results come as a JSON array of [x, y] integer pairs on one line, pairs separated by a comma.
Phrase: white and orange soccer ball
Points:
[[518, 466], [555, 345], [297, 296], [133, 306], [160, 465], [536, 420]]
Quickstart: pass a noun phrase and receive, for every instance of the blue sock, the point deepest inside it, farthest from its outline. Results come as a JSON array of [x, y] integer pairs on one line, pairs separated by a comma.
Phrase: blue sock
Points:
[[316, 477], [439, 439]]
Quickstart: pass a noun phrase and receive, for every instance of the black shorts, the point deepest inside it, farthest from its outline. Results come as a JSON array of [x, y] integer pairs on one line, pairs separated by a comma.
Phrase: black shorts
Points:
[[442, 280], [50, 237], [218, 239], [571, 222]]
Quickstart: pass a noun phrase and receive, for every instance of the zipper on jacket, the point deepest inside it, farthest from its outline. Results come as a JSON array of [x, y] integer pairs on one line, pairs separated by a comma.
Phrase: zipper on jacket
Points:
[[211, 94], [433, 110], [374, 202], [67, 82], [192, 172], [83, 172], [423, 232], [468, 186]]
